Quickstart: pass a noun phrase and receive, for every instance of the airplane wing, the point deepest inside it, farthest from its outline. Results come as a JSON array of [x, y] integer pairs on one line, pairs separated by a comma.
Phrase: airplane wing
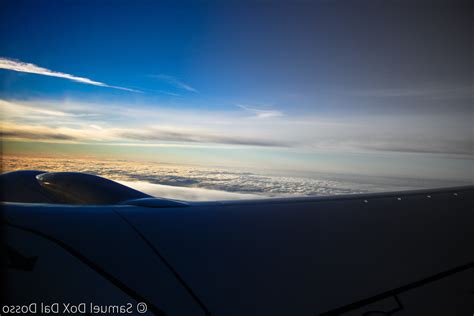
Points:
[[80, 241]]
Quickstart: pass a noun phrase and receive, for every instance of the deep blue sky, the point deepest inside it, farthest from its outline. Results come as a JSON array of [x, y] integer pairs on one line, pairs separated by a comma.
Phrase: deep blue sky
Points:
[[389, 72], [303, 53]]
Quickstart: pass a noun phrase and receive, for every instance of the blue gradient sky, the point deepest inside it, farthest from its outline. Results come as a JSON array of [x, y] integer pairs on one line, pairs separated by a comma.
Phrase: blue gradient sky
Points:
[[374, 87]]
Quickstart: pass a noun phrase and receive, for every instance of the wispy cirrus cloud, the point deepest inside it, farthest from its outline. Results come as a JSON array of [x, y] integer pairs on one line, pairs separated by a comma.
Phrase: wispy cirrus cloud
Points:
[[174, 82], [259, 113], [19, 66]]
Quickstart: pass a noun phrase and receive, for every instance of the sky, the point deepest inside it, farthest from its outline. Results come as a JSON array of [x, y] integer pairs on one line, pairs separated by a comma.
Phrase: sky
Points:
[[368, 87]]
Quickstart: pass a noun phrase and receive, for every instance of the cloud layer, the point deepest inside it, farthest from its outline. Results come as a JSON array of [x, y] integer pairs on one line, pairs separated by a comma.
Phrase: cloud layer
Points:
[[19, 66], [158, 135], [159, 125], [200, 183]]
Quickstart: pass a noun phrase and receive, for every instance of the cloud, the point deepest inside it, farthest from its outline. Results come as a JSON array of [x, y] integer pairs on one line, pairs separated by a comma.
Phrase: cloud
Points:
[[185, 182], [9, 131], [186, 194], [24, 132], [35, 135], [157, 126], [46, 121], [172, 94], [201, 183], [17, 110], [261, 113], [455, 147], [197, 137], [19, 66], [174, 82]]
